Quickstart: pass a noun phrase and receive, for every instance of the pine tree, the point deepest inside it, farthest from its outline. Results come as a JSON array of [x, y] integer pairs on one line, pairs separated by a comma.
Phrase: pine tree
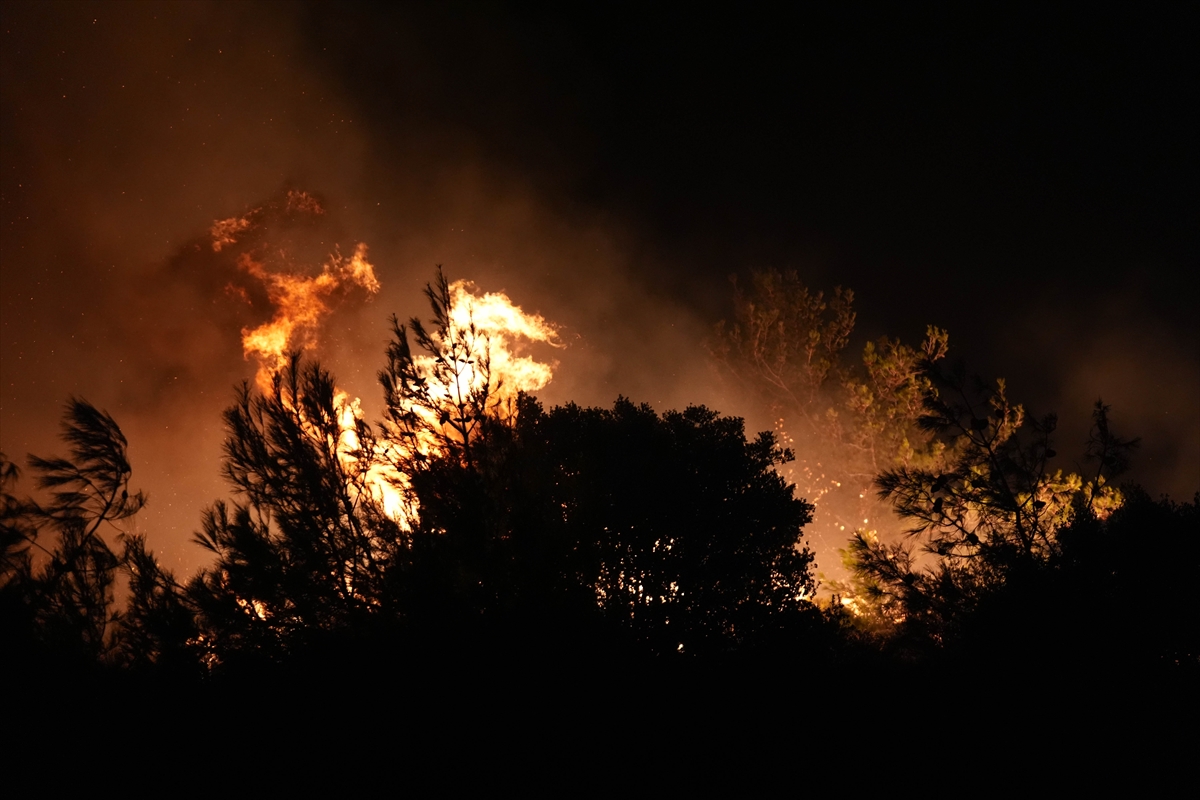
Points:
[[847, 421], [59, 569], [991, 513], [438, 399], [308, 546]]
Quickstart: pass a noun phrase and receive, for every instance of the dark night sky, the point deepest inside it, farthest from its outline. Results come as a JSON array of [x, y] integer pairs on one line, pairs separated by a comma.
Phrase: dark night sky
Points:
[[1025, 179]]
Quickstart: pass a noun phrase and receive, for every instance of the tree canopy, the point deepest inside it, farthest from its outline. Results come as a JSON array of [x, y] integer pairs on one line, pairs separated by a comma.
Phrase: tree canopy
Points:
[[786, 346], [1011, 558], [474, 523], [673, 527], [63, 556], [669, 533]]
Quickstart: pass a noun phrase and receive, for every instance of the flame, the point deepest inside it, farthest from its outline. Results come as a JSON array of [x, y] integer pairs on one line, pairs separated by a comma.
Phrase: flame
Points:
[[300, 302], [303, 202], [386, 485], [498, 325], [225, 231], [490, 321], [490, 328]]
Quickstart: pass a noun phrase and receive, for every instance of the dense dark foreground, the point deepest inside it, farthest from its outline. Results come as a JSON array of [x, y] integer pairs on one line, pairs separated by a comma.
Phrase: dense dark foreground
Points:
[[505, 711]]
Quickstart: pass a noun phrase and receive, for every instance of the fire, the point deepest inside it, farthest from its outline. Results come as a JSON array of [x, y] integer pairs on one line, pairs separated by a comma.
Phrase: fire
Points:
[[489, 364], [475, 362], [492, 326], [226, 232], [385, 483], [300, 303]]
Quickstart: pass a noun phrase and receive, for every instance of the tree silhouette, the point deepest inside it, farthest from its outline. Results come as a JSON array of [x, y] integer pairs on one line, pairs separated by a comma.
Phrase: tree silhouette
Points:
[[848, 422], [516, 525], [438, 399], [65, 585], [1128, 582], [675, 529], [475, 525], [992, 515], [327, 533], [158, 627], [309, 546], [17, 531], [1104, 610]]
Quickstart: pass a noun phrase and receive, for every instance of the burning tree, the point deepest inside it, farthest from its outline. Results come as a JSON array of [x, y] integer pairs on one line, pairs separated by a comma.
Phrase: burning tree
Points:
[[965, 467], [467, 506], [992, 513], [674, 530], [466, 373], [847, 422], [310, 547], [324, 537]]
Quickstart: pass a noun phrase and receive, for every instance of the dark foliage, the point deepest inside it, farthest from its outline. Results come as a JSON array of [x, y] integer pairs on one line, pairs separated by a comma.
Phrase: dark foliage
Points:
[[511, 529], [158, 630], [17, 534], [59, 569], [307, 548], [17, 531], [469, 535], [672, 529], [63, 558], [1022, 566], [1117, 599], [567, 531]]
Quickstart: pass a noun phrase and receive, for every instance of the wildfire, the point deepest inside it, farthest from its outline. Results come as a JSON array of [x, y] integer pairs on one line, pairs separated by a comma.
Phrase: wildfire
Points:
[[476, 360], [384, 482], [300, 303], [495, 326], [489, 323]]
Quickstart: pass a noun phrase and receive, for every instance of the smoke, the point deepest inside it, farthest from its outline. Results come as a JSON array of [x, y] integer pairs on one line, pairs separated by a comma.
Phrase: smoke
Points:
[[1122, 349], [130, 129]]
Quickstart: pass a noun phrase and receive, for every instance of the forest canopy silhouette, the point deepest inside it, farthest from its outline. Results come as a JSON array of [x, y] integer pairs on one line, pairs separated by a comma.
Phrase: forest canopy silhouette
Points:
[[472, 522]]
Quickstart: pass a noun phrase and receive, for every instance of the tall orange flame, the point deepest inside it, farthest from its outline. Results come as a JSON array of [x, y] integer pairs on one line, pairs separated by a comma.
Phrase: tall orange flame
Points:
[[300, 302]]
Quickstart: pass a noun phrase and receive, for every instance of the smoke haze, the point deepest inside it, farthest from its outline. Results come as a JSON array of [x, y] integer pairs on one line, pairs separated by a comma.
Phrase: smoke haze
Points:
[[445, 137]]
